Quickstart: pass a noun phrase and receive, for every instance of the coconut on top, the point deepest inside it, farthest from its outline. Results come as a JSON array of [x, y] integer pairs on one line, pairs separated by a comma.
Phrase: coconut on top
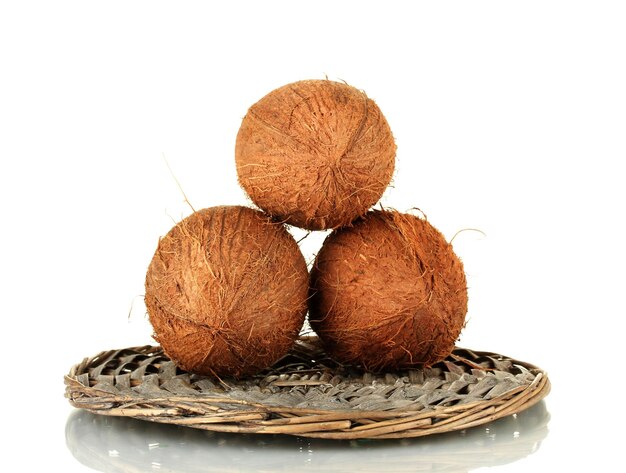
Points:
[[316, 154]]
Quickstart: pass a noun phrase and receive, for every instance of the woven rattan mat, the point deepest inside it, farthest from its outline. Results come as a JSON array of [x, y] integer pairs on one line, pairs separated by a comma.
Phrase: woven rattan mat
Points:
[[309, 395]]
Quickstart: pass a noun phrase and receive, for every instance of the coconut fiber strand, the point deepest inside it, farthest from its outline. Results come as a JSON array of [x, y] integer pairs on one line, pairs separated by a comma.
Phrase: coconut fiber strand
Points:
[[316, 153], [226, 291], [388, 293]]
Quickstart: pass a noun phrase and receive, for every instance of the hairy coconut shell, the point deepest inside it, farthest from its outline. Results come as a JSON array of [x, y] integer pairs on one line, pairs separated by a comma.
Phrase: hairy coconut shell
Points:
[[226, 292], [316, 154], [388, 293]]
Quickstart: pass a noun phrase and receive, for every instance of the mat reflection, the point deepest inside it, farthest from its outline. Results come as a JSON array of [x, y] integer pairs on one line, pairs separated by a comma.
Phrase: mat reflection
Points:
[[118, 444]]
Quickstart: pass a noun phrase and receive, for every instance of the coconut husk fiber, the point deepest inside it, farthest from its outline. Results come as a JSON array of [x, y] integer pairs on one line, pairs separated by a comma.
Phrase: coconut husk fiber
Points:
[[226, 291], [316, 153], [388, 293]]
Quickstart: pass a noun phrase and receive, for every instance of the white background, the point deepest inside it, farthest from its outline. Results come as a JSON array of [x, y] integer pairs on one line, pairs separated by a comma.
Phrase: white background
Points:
[[510, 117]]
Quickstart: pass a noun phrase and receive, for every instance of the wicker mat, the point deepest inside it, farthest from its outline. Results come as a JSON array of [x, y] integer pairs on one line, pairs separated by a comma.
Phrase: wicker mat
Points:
[[309, 395]]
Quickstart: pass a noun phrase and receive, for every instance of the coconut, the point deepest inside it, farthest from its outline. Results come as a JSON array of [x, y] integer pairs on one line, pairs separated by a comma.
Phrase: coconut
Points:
[[388, 293], [316, 154], [226, 292]]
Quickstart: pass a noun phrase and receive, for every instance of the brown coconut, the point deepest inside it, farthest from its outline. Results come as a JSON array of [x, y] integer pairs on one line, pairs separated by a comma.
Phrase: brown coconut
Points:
[[316, 154], [388, 293], [226, 292]]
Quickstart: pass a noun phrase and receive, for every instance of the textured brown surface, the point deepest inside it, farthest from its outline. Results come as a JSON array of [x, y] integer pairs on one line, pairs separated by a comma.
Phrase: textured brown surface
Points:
[[388, 292], [308, 394], [315, 153], [226, 291]]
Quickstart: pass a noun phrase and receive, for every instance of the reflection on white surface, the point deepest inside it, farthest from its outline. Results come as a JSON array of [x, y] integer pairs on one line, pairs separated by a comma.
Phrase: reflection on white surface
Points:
[[117, 444]]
